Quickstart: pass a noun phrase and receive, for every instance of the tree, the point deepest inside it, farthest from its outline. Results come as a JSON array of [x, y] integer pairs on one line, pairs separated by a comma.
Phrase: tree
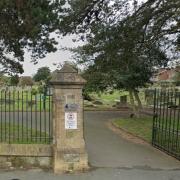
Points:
[[157, 19], [120, 56], [126, 40], [176, 78], [27, 25], [123, 71], [14, 80], [43, 74], [26, 81], [3, 80]]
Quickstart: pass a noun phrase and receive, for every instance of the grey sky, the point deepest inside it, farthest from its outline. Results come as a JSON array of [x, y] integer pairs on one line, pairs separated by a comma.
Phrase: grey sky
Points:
[[57, 57]]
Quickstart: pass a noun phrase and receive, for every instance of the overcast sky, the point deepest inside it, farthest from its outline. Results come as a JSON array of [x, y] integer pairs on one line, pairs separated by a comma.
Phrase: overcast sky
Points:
[[58, 57]]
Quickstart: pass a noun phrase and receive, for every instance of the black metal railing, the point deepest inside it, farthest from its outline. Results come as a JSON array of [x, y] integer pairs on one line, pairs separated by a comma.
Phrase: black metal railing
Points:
[[166, 123], [25, 115]]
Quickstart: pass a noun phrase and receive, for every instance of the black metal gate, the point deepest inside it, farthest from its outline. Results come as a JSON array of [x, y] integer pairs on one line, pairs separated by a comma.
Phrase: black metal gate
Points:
[[25, 115], [166, 123]]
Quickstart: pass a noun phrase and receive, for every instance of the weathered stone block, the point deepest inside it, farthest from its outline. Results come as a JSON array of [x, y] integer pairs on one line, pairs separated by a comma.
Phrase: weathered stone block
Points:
[[25, 150], [71, 158]]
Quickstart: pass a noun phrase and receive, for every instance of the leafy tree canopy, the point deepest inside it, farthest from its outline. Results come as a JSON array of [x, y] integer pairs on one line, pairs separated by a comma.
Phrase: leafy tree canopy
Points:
[[14, 80], [27, 24], [157, 20], [124, 49], [43, 74], [26, 81], [126, 40]]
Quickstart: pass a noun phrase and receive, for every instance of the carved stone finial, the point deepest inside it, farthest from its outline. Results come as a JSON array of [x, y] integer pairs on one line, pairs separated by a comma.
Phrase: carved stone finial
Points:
[[67, 75]]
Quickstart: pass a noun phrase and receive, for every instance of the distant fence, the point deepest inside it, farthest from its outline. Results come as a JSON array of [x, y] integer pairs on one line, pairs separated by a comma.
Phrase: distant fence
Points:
[[25, 115], [166, 123]]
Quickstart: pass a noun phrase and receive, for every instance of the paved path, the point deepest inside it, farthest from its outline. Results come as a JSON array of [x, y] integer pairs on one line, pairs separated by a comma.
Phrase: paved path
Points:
[[107, 149], [112, 157]]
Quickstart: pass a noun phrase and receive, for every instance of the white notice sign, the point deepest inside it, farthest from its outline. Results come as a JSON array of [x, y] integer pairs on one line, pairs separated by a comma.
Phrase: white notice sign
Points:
[[70, 120]]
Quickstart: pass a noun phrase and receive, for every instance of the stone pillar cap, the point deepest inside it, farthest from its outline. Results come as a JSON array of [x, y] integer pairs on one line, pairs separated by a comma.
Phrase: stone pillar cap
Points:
[[68, 75]]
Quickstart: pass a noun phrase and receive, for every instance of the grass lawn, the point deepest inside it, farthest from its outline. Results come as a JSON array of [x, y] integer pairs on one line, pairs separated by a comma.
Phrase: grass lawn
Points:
[[141, 127], [108, 99], [15, 134]]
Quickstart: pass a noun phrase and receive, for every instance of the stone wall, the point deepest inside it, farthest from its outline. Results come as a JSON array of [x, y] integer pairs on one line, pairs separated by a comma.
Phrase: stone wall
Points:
[[68, 152], [25, 156], [21, 162]]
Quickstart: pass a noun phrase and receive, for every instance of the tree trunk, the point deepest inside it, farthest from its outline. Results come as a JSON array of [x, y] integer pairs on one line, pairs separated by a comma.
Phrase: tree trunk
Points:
[[136, 95], [135, 113]]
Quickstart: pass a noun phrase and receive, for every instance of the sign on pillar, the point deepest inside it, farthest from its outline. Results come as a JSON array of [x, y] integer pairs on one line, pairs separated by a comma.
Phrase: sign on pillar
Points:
[[70, 120]]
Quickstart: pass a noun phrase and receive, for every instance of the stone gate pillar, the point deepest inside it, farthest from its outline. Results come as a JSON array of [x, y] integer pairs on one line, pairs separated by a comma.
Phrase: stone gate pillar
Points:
[[68, 145]]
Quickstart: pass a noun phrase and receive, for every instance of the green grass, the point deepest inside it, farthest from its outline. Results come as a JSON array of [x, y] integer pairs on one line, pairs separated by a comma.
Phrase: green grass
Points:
[[141, 127], [15, 134], [109, 98]]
